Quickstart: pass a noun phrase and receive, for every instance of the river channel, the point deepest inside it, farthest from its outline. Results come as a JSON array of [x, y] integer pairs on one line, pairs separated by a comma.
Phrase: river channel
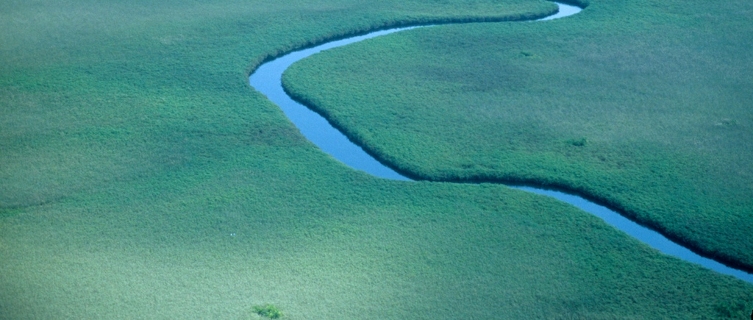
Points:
[[267, 79]]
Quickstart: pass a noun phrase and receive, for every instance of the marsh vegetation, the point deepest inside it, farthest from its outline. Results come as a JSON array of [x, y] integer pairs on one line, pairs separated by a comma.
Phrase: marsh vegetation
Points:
[[140, 177]]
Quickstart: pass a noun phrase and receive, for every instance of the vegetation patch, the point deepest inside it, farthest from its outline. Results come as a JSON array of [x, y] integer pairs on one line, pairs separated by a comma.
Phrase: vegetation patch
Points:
[[268, 311], [577, 142], [733, 310]]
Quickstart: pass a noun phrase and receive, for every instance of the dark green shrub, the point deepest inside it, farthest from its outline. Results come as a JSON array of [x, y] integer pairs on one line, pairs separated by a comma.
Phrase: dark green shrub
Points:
[[731, 310], [268, 311], [578, 142]]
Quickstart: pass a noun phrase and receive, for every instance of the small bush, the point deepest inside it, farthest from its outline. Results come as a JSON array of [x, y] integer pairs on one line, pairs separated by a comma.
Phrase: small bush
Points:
[[578, 142], [268, 311]]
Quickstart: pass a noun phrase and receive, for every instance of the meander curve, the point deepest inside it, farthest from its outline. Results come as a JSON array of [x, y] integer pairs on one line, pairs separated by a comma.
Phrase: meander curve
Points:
[[267, 79]]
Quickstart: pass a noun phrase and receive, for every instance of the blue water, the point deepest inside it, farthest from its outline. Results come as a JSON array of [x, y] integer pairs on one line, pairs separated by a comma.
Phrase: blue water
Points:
[[268, 80]]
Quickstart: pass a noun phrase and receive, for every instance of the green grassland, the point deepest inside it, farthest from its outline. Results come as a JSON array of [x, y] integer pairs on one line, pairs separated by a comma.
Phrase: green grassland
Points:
[[141, 177], [642, 105]]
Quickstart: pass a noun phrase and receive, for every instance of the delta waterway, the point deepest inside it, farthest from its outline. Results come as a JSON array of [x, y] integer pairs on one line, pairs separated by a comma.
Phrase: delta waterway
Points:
[[268, 80]]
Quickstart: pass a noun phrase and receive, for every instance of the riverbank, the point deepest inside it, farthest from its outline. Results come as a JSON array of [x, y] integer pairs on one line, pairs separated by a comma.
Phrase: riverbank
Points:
[[625, 104], [267, 79], [143, 178]]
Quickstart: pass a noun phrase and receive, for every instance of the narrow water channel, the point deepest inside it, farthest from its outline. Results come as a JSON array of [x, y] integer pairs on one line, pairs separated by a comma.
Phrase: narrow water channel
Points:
[[267, 79]]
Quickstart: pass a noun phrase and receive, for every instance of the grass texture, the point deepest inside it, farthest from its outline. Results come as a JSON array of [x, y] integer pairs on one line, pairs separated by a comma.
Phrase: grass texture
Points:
[[642, 105], [141, 177]]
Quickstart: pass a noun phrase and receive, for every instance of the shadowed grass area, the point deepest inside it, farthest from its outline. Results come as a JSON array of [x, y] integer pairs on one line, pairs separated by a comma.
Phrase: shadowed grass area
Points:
[[140, 177], [641, 105], [344, 246]]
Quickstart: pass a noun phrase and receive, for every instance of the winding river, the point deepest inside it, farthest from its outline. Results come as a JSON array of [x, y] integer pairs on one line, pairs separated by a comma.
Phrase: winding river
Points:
[[268, 80]]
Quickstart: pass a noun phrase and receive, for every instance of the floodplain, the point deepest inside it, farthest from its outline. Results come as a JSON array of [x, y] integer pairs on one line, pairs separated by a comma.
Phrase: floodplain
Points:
[[141, 177]]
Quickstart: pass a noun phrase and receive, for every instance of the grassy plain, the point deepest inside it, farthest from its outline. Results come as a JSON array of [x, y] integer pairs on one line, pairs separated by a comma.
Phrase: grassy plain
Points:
[[141, 177], [642, 105]]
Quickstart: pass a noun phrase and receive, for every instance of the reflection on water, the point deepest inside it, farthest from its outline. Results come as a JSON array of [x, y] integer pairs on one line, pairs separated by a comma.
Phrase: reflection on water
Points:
[[268, 80], [645, 235], [564, 11]]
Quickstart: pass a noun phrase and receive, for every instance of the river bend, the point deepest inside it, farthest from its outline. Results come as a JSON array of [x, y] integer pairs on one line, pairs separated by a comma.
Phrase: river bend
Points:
[[268, 80]]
